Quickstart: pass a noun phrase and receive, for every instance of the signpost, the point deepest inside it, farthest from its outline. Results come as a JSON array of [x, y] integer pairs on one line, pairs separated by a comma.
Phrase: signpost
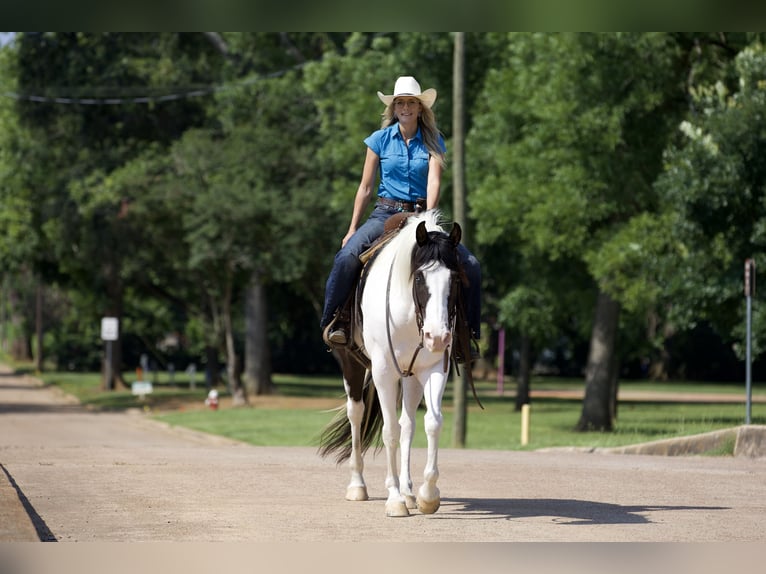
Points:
[[110, 328], [141, 389], [500, 361], [749, 292]]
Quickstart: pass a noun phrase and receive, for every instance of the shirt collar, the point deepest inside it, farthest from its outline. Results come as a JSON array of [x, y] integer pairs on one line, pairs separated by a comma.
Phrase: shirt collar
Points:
[[397, 134]]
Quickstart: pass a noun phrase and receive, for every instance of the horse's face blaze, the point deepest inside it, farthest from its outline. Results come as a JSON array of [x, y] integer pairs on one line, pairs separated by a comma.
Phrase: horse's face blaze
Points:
[[432, 292]]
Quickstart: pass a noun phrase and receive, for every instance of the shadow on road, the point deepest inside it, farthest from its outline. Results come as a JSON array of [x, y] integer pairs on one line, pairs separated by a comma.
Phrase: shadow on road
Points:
[[43, 532], [562, 511], [32, 408]]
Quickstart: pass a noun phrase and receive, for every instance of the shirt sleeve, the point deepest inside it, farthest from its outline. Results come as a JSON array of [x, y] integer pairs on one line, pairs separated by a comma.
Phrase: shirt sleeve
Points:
[[374, 141]]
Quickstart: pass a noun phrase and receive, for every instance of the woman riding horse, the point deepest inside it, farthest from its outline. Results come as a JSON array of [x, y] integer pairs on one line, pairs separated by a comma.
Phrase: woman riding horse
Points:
[[408, 151]]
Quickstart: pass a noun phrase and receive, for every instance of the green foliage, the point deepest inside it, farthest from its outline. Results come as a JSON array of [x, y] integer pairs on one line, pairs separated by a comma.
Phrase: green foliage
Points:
[[630, 263], [163, 210], [715, 180], [571, 129]]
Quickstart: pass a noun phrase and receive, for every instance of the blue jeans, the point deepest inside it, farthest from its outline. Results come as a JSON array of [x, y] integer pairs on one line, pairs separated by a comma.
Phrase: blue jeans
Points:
[[346, 268]]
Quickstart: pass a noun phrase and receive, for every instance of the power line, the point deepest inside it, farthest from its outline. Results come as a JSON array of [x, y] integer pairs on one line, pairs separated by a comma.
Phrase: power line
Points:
[[169, 97], [113, 101]]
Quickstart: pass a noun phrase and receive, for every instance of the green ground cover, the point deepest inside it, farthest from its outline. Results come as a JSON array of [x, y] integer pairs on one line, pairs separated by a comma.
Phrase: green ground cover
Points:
[[496, 427]]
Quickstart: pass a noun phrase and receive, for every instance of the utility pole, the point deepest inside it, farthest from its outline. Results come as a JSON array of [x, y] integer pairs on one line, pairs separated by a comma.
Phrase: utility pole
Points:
[[458, 207], [749, 292]]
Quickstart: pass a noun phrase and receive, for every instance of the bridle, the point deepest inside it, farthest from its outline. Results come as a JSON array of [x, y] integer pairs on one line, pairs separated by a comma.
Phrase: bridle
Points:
[[452, 300]]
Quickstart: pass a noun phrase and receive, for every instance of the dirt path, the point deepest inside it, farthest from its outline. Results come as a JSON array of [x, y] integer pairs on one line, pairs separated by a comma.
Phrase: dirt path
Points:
[[67, 474]]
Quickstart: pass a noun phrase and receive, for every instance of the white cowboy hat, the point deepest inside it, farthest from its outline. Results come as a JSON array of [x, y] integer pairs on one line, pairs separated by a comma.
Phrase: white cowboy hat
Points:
[[408, 86]]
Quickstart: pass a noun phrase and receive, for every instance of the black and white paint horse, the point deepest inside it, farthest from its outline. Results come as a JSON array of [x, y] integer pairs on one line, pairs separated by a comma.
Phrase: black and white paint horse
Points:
[[408, 307]]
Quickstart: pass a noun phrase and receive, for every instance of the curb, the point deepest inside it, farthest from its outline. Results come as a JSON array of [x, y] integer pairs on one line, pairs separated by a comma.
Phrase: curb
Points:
[[748, 440], [15, 523]]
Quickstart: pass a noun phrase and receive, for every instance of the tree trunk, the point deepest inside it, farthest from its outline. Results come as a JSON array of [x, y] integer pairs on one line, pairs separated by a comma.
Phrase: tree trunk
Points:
[[19, 337], [39, 327], [599, 404], [4, 314], [115, 293], [659, 364], [525, 373], [212, 368], [257, 352], [239, 397]]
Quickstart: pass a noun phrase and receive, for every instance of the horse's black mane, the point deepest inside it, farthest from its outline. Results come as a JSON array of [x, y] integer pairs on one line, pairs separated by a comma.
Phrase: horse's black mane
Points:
[[439, 248]]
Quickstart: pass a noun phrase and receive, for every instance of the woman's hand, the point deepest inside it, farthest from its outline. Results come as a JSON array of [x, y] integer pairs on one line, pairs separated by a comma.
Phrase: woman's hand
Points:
[[347, 237]]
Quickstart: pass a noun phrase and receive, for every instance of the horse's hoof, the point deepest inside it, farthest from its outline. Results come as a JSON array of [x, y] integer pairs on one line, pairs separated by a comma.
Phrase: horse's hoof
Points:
[[357, 493], [428, 506], [409, 500], [397, 509]]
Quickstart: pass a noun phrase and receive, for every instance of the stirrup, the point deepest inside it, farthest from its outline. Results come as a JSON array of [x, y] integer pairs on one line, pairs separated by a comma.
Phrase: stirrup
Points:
[[335, 334], [338, 337]]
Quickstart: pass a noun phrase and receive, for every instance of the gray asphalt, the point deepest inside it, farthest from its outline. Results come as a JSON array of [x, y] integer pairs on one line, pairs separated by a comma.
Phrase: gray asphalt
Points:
[[70, 475]]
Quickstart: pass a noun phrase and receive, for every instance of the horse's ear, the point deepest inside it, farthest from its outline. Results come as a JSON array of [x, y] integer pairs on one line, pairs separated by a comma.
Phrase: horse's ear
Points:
[[421, 235], [456, 233]]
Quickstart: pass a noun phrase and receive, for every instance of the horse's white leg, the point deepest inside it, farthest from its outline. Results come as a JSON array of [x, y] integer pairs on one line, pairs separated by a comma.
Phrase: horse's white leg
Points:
[[356, 490], [428, 495], [412, 392], [387, 393]]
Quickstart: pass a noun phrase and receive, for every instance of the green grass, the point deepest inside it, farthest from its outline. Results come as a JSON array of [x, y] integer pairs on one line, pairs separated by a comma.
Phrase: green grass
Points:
[[552, 422], [87, 388], [496, 427], [260, 427]]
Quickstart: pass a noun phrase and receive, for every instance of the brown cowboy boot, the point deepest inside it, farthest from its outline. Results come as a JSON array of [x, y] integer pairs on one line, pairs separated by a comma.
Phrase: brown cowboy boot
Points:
[[338, 331]]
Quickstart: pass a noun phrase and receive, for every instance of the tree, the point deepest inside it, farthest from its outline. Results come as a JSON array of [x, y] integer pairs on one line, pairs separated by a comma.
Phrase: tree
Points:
[[79, 143], [714, 191], [584, 119]]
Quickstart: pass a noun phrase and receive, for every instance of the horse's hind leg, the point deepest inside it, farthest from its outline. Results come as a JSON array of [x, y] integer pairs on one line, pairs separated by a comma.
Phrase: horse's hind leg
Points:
[[429, 498], [353, 381]]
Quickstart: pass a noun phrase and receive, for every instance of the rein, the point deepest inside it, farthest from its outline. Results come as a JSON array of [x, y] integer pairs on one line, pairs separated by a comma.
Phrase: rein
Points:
[[419, 318], [408, 372]]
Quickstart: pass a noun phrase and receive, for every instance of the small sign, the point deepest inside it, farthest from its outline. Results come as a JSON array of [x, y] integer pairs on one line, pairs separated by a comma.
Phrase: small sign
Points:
[[110, 327], [749, 277], [141, 388]]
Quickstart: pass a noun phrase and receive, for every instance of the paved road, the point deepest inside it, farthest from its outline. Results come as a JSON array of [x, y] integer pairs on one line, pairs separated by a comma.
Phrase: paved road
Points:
[[67, 474]]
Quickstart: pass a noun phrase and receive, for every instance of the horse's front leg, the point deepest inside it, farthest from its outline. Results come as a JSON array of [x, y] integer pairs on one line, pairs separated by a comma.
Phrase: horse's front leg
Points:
[[428, 495], [387, 386], [412, 392]]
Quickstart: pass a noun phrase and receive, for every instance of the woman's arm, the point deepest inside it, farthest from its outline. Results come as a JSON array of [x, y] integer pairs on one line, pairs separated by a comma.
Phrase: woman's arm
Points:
[[364, 193], [433, 187]]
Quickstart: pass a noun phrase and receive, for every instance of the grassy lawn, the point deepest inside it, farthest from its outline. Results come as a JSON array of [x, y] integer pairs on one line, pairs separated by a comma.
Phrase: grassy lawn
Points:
[[496, 427]]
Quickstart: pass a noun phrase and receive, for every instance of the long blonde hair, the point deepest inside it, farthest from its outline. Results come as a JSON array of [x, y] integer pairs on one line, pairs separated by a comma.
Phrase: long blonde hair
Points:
[[428, 129]]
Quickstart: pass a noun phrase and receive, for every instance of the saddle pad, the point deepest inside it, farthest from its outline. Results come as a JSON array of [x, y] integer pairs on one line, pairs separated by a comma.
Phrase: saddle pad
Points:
[[392, 226]]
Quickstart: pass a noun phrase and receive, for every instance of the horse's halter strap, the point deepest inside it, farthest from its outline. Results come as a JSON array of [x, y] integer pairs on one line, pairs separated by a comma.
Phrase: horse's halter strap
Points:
[[419, 314]]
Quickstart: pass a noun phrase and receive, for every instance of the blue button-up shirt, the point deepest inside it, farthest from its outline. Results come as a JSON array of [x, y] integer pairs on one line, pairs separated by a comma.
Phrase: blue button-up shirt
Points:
[[403, 168]]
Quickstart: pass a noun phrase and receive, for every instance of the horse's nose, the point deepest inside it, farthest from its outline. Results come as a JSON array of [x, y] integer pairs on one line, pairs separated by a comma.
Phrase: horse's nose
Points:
[[437, 341]]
